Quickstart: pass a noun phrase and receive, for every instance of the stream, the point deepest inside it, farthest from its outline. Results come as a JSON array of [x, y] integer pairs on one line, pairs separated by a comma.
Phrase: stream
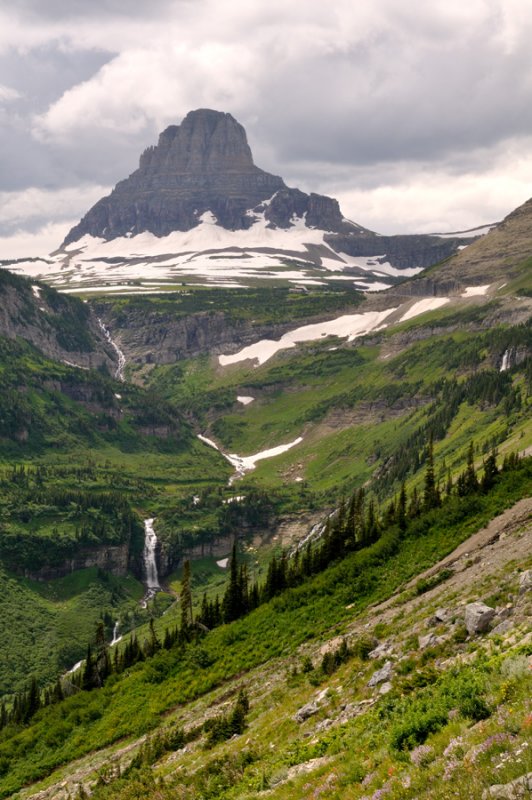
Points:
[[119, 374], [150, 562]]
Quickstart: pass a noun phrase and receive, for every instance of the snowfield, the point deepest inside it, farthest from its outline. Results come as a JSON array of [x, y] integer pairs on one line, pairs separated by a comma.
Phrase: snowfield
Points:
[[208, 253], [349, 327]]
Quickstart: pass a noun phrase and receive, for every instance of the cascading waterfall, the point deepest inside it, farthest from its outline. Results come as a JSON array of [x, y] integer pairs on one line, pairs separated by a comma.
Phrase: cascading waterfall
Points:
[[119, 374], [150, 561], [116, 638], [506, 360]]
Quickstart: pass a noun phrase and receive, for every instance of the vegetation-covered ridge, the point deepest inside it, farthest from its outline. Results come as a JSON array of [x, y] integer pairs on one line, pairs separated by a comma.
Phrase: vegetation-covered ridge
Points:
[[174, 667]]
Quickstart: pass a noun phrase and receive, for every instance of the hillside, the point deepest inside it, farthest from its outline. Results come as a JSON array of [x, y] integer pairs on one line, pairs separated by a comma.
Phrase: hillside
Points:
[[228, 536], [367, 677]]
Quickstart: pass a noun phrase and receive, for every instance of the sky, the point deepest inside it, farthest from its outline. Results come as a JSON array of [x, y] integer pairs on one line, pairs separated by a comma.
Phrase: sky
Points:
[[416, 116]]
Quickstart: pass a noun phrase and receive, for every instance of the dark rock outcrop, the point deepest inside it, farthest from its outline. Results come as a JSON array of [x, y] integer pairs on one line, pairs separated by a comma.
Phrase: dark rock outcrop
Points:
[[204, 164]]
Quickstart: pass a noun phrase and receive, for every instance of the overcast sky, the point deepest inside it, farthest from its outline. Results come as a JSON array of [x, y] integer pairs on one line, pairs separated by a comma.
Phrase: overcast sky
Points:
[[416, 115]]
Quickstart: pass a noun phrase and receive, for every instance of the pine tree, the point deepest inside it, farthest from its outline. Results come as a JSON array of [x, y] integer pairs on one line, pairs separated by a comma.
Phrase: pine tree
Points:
[[401, 508], [490, 472], [470, 478], [186, 600], [87, 681], [102, 664], [232, 602], [431, 495]]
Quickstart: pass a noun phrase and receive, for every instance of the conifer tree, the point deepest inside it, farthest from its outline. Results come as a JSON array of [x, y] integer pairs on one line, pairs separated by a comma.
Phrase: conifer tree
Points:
[[186, 600], [401, 508], [431, 495], [490, 472], [232, 602]]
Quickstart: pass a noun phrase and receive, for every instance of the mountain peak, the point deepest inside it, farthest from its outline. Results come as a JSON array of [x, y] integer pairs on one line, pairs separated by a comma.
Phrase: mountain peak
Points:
[[206, 141], [203, 164]]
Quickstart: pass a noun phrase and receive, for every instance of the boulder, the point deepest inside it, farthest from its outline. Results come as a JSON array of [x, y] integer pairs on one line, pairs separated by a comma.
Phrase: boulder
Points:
[[309, 709], [515, 790], [478, 617], [430, 640], [525, 581], [383, 650], [382, 675]]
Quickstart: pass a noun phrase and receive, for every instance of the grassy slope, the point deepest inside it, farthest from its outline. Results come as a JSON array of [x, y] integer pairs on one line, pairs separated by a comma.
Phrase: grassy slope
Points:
[[143, 698], [353, 407]]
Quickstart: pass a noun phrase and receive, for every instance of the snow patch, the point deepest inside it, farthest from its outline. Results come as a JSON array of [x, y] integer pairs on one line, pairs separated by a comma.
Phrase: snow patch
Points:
[[222, 563], [422, 306], [349, 326], [245, 400], [475, 291]]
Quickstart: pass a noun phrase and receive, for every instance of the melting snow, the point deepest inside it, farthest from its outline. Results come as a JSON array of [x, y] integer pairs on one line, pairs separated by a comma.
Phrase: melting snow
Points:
[[245, 400], [429, 304], [475, 291], [244, 464], [349, 326]]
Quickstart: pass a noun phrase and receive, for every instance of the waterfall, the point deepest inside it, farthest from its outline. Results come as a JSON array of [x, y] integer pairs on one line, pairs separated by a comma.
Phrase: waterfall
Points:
[[506, 360], [119, 374], [116, 638], [150, 562]]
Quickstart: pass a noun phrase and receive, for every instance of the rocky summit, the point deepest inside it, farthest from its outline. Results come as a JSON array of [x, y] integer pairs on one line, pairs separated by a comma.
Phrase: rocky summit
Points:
[[198, 209], [204, 164]]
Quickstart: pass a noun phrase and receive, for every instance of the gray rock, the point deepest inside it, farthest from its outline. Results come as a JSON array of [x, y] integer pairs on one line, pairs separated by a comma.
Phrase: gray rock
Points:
[[383, 650], [306, 711], [312, 708], [525, 581], [478, 617], [385, 688], [430, 640], [515, 790], [381, 675], [504, 612], [442, 614], [503, 627]]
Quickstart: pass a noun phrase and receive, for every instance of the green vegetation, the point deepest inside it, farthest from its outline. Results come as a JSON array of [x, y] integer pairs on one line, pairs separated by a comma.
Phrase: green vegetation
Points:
[[132, 700], [264, 305]]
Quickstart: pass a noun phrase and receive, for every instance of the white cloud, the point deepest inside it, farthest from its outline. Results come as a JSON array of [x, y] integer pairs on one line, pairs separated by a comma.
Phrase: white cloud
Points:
[[33, 204], [7, 94], [401, 110], [25, 244]]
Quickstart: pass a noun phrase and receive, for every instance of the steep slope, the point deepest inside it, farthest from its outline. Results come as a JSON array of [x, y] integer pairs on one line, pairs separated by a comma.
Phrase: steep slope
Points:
[[504, 254], [61, 327], [350, 715]]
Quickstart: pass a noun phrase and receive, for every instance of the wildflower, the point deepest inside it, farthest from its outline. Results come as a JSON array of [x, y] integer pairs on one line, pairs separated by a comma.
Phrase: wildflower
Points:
[[422, 755]]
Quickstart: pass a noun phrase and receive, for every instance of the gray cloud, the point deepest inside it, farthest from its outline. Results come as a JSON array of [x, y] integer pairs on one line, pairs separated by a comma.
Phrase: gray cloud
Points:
[[350, 99]]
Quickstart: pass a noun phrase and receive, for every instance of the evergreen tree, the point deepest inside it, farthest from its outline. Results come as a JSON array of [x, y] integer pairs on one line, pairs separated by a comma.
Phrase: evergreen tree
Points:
[[401, 508], [87, 681], [490, 472], [232, 601], [431, 495], [470, 478], [186, 600]]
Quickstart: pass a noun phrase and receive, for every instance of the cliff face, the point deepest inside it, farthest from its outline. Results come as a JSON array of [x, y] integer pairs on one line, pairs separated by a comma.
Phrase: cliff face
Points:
[[114, 559], [61, 327], [154, 337], [204, 164]]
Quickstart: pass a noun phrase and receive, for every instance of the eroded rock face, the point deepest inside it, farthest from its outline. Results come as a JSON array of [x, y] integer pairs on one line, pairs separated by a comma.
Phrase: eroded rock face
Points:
[[478, 617]]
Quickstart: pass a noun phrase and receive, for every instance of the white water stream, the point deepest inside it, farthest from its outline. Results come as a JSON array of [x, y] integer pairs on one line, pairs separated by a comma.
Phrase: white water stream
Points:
[[116, 638], [505, 360], [150, 562], [119, 374]]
